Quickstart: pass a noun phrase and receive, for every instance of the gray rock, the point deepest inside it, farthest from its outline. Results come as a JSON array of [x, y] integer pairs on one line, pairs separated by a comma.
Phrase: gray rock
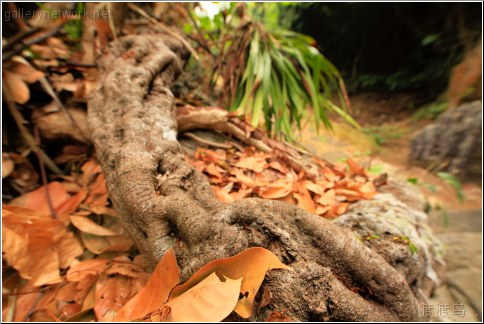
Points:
[[453, 140]]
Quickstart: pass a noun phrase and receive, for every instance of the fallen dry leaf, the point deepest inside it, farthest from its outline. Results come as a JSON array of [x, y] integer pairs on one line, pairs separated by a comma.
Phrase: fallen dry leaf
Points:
[[211, 300], [112, 292], [279, 317], [251, 265], [155, 293], [242, 178], [98, 194], [32, 243], [328, 198], [87, 225], [278, 189], [254, 163], [99, 244], [355, 168], [17, 88], [241, 193], [8, 165], [222, 195], [37, 199]]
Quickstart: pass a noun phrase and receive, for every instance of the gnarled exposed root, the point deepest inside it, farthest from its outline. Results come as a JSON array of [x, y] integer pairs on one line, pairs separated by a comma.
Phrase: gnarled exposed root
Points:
[[164, 202]]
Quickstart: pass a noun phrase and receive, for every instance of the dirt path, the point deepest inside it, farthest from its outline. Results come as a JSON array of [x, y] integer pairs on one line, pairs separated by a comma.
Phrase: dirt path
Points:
[[394, 132], [457, 225]]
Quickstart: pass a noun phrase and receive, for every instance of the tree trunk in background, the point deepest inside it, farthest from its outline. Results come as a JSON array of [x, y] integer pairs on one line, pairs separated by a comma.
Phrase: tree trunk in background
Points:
[[164, 202]]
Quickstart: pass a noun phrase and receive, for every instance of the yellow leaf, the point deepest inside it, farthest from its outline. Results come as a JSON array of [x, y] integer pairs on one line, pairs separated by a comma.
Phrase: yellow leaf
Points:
[[251, 264], [211, 300], [155, 293]]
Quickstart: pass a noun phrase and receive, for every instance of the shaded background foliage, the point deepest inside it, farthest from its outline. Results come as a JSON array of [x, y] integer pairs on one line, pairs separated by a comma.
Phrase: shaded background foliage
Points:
[[391, 46]]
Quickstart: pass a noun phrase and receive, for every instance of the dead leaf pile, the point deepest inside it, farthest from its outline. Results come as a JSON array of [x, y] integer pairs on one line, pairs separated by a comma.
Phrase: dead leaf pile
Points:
[[235, 175], [69, 250]]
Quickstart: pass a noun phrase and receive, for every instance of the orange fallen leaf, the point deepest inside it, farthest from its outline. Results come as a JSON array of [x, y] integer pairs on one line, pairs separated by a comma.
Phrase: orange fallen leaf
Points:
[[211, 300], [31, 244], [17, 88], [279, 167], [241, 193], [278, 189], [214, 171], [37, 199], [251, 265], [209, 155], [80, 281], [90, 170], [97, 192], [321, 210], [87, 225], [355, 168], [311, 186], [368, 190], [68, 249], [99, 244], [112, 292], [155, 293], [330, 175], [254, 163], [222, 195], [304, 199], [350, 195], [72, 203], [279, 317], [103, 210], [328, 198], [8, 165], [242, 178], [86, 268]]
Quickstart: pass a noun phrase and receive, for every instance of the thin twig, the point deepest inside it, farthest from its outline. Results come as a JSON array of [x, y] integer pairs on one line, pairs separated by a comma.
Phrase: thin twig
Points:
[[32, 308], [24, 45], [18, 38], [47, 87], [44, 176], [140, 11], [201, 44], [19, 120], [207, 142], [199, 31], [12, 300]]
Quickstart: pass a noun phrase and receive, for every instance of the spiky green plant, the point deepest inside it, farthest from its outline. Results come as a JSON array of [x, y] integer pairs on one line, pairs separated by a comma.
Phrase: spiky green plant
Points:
[[273, 77], [284, 75]]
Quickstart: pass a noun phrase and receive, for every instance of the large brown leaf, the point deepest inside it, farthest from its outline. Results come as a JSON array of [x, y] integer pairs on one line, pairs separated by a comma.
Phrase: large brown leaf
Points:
[[251, 265], [155, 293], [211, 300]]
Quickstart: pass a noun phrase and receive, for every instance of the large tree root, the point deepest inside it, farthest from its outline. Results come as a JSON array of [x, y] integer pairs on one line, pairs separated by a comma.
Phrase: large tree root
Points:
[[164, 202]]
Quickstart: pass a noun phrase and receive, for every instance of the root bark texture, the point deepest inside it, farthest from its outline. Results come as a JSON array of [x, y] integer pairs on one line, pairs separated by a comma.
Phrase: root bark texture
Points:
[[164, 202]]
